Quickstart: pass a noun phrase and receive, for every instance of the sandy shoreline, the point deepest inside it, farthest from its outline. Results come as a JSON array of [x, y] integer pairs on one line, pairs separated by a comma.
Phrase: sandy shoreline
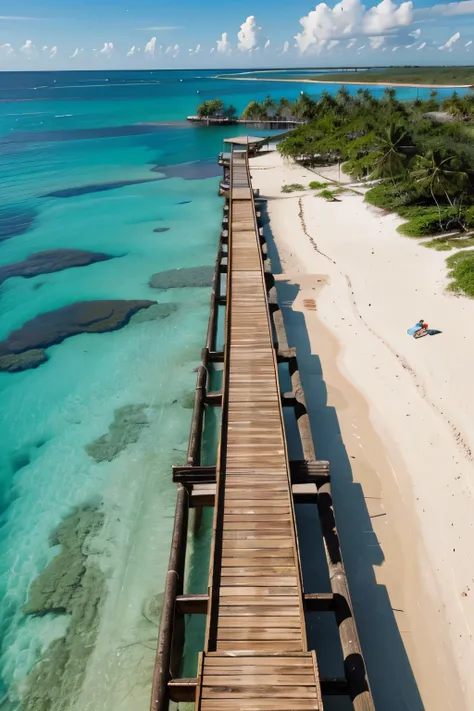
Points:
[[394, 417], [351, 83]]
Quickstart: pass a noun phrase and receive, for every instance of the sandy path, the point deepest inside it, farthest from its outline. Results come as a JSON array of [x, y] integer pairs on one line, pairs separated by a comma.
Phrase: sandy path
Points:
[[394, 416]]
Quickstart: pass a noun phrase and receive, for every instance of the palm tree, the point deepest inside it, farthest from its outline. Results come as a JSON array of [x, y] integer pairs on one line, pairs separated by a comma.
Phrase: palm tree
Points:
[[392, 160], [326, 102], [343, 96], [389, 94], [253, 110], [285, 109], [304, 108], [439, 177], [268, 107]]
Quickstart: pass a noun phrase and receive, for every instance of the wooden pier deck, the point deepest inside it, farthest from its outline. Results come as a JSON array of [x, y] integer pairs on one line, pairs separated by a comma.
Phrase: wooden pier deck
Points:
[[255, 655], [256, 652]]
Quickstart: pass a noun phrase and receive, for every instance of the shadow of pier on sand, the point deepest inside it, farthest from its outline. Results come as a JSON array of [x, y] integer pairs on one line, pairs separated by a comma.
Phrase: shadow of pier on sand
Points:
[[390, 674]]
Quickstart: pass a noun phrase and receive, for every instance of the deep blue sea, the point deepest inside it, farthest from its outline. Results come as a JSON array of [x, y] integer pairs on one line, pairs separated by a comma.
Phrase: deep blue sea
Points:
[[76, 172]]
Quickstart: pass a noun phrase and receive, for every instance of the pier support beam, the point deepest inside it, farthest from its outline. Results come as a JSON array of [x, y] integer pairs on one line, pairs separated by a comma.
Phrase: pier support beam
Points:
[[170, 641]]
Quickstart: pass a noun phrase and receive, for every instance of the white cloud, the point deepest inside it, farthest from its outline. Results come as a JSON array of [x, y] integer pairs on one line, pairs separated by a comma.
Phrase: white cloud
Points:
[[267, 44], [74, 54], [452, 40], [195, 51], [28, 48], [350, 18], [53, 52], [6, 49], [150, 47], [176, 50], [351, 42], [286, 48], [332, 44], [168, 50], [451, 9], [14, 17], [376, 42], [468, 44], [394, 49], [387, 16], [45, 48], [421, 46], [415, 34], [131, 51], [107, 49], [213, 49], [223, 45], [249, 35], [359, 49]]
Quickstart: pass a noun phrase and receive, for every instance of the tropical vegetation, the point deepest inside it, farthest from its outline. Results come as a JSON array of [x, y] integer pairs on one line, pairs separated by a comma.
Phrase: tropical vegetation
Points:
[[461, 272], [215, 108], [420, 167]]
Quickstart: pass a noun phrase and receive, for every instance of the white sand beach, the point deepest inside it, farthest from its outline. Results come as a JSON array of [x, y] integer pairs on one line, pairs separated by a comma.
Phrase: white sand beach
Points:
[[396, 425]]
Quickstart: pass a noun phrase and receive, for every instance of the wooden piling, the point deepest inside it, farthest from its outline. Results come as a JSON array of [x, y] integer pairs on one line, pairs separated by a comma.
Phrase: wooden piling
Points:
[[165, 654]]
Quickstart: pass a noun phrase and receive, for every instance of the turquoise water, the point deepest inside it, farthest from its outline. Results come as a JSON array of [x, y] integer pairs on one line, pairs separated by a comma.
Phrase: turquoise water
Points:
[[73, 132]]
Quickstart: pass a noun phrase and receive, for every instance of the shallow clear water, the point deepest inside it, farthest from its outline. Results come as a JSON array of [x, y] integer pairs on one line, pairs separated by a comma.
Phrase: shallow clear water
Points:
[[77, 132]]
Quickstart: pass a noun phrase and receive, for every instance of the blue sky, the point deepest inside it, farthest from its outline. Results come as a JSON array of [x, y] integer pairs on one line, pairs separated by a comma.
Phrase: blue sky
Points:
[[137, 34]]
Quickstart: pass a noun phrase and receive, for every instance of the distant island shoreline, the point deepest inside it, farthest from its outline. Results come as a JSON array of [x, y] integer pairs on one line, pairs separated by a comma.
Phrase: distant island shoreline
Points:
[[349, 83]]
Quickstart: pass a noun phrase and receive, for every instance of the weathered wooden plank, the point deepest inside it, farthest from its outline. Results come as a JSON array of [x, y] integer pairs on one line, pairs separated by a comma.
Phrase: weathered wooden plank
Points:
[[287, 622], [257, 592], [269, 580], [254, 610], [247, 572], [275, 633], [258, 704], [260, 692], [303, 660], [267, 645], [275, 601], [257, 543]]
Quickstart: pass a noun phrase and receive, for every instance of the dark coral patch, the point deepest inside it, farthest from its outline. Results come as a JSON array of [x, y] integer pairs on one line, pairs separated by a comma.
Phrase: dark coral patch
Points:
[[51, 260], [124, 430], [25, 347], [195, 170], [181, 278], [96, 188], [15, 221], [161, 229]]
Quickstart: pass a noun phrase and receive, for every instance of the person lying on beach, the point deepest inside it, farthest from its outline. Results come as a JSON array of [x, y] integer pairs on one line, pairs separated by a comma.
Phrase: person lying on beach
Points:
[[421, 329]]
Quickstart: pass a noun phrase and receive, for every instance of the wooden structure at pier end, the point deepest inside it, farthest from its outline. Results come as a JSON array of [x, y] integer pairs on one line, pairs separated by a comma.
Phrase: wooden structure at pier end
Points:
[[256, 655]]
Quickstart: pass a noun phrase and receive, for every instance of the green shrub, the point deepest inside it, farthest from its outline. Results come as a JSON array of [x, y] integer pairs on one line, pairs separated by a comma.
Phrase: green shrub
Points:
[[390, 197], [424, 221], [315, 185], [461, 271], [439, 244], [446, 244], [292, 188], [327, 195]]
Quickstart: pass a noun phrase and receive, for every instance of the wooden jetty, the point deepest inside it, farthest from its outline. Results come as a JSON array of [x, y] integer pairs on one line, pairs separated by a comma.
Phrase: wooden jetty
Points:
[[256, 123], [256, 655]]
